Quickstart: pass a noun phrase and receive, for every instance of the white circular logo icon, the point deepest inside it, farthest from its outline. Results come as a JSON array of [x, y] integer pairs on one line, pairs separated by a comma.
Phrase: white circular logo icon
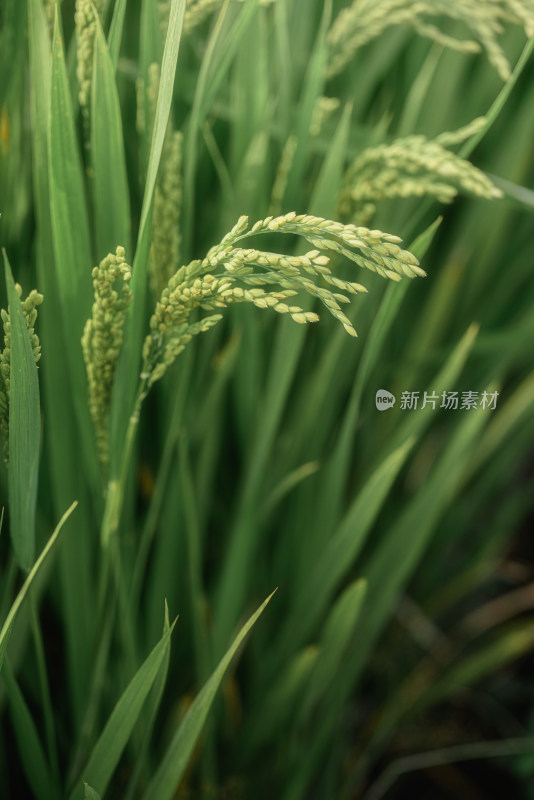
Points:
[[384, 400]]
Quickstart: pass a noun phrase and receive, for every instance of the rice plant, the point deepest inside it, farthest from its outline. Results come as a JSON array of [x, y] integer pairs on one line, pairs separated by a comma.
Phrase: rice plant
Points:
[[336, 196]]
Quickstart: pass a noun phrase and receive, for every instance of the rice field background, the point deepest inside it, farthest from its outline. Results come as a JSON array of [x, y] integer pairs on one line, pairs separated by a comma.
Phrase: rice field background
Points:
[[244, 552]]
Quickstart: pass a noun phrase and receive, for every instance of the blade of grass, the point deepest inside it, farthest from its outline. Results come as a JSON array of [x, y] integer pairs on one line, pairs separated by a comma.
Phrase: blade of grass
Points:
[[10, 619], [112, 741], [172, 767], [506, 646], [445, 756], [312, 89], [115, 31], [326, 189], [500, 101], [387, 572], [128, 368], [282, 698], [333, 482], [220, 51], [70, 229], [153, 706], [338, 630], [90, 794], [44, 687], [429, 684], [162, 481], [194, 556], [24, 431], [111, 194], [65, 484], [287, 350], [341, 551], [415, 424], [28, 742]]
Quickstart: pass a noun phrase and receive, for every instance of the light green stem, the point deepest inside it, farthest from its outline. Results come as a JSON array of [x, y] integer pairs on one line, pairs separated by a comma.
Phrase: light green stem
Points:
[[116, 485]]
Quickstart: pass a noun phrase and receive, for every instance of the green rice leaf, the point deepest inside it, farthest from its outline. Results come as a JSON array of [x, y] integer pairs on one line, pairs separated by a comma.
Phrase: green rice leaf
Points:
[[312, 89], [504, 647], [24, 431], [110, 195], [220, 50], [10, 619], [337, 633], [28, 742], [90, 794], [129, 364], [326, 189], [171, 769], [115, 31], [153, 707], [112, 741], [343, 548], [67, 205], [71, 240], [56, 389]]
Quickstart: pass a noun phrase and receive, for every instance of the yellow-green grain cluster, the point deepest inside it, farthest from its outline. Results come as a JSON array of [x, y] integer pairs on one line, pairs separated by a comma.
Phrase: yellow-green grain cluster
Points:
[[85, 22], [364, 20], [230, 274], [410, 167], [29, 310], [102, 340]]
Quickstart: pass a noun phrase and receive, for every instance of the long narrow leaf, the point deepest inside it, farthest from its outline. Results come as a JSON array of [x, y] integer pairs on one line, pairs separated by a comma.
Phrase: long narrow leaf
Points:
[[172, 767], [111, 196], [342, 549], [109, 747], [70, 229], [10, 619], [24, 431], [115, 31], [129, 362], [28, 742]]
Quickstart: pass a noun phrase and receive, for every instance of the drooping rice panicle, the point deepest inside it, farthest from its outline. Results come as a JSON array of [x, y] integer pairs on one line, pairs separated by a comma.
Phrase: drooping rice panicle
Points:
[[412, 166], [230, 274], [364, 20]]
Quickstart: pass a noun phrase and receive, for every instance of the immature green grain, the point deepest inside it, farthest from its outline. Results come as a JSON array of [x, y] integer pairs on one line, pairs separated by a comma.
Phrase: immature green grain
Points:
[[29, 310], [412, 166], [364, 20], [230, 274], [85, 23], [102, 340]]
